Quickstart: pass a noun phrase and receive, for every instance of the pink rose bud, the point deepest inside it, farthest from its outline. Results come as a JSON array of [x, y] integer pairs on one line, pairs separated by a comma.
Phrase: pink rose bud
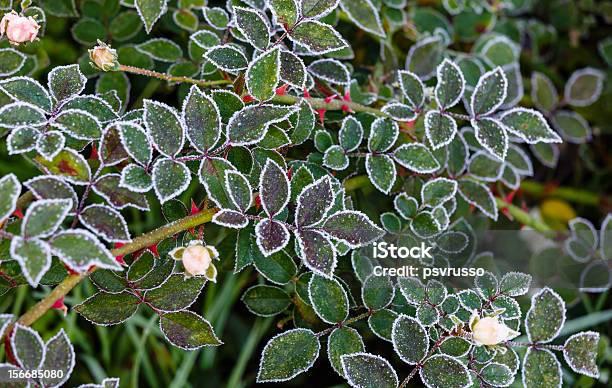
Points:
[[18, 29], [104, 57], [196, 260], [490, 331]]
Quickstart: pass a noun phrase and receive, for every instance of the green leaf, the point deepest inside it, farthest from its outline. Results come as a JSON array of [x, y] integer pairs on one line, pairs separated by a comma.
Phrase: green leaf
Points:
[[343, 341], [136, 142], [351, 134], [399, 112], [286, 12], [227, 58], [33, 256], [580, 353], [27, 90], [79, 124], [164, 126], [20, 114], [485, 167], [11, 61], [43, 217], [239, 189], [381, 323], [213, 176], [21, 140], [59, 355], [529, 125], [546, 316], [412, 88], [368, 370], [273, 188], [335, 158], [87, 31], [584, 86], [150, 11], [425, 225], [445, 371], [288, 354], [328, 299], [216, 17], [330, 70], [66, 81], [437, 191], [318, 8], [202, 120], [313, 202], [381, 171], [108, 309], [364, 15], [455, 346], [69, 165], [27, 347], [543, 92], [416, 157], [10, 188], [292, 68], [491, 134], [266, 301], [352, 228], [125, 26], [410, 339], [406, 206], [546, 153], [262, 76], [317, 37], [161, 49], [94, 105], [253, 25], [227, 102], [424, 56], [278, 268], [412, 289], [450, 85], [187, 330], [497, 375], [440, 128], [479, 195], [105, 222], [108, 187], [383, 135], [176, 293], [377, 292], [250, 125], [80, 250], [185, 19], [515, 284], [317, 252], [541, 369], [170, 179], [572, 127], [489, 93]]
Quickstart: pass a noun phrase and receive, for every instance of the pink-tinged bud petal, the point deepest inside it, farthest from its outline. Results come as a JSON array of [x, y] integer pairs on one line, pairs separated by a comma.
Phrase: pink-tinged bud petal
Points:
[[18, 29], [490, 331], [196, 260], [104, 57], [59, 305]]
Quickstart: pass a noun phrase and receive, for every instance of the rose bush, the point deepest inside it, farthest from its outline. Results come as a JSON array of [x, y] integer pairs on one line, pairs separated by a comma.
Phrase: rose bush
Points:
[[184, 154]]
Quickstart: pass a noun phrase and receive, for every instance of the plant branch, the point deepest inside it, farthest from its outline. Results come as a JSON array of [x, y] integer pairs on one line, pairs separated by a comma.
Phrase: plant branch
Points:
[[571, 194], [171, 78], [525, 218], [321, 103], [139, 243]]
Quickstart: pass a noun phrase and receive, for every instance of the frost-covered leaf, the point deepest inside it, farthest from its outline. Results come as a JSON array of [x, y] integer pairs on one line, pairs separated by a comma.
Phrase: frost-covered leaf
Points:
[[164, 126], [161, 49], [79, 124], [81, 249], [11, 61], [263, 75], [10, 188], [43, 217], [328, 299], [230, 219], [492, 135], [176, 293], [425, 225], [227, 58], [489, 93], [317, 252], [368, 370], [50, 187], [584, 87], [59, 355], [381, 171], [287, 355], [351, 134], [292, 68], [108, 309], [450, 86], [424, 56], [352, 228], [253, 25], [317, 37], [239, 189], [455, 346], [364, 15], [440, 128], [66, 81], [212, 175], [105, 222], [515, 284], [330, 70], [33, 256], [266, 301], [541, 369], [313, 203], [412, 88], [19, 114], [109, 188], [94, 105], [485, 167], [136, 142], [497, 375], [479, 195], [170, 179], [22, 140], [416, 157], [437, 191], [286, 12], [400, 112], [377, 292], [318, 8], [27, 347], [216, 17], [383, 135], [572, 127], [605, 238], [187, 330], [410, 339], [27, 90], [381, 323], [529, 125], [546, 316], [272, 236], [546, 153], [543, 92], [580, 353], [406, 206], [335, 158], [342, 341], [273, 188], [202, 120], [69, 165], [50, 144], [150, 11], [250, 124], [444, 371]]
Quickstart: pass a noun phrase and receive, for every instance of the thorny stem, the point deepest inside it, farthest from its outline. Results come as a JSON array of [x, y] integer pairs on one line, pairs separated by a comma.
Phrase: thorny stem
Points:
[[346, 322], [172, 78]]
